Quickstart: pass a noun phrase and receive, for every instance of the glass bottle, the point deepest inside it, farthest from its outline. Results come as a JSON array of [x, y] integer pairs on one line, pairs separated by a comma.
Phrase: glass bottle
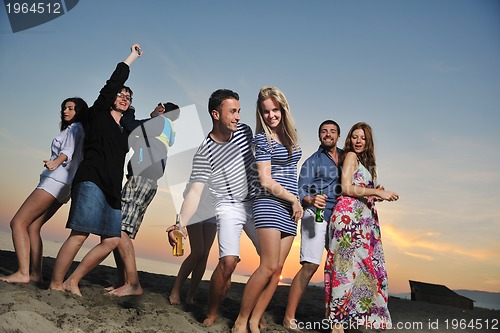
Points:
[[178, 249], [319, 212]]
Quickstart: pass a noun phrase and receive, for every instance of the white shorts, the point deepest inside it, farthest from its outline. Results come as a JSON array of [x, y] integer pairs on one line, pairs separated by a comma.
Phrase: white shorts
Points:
[[313, 238], [231, 220], [60, 191]]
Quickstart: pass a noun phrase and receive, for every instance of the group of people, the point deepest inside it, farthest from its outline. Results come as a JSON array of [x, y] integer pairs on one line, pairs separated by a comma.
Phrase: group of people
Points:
[[251, 184], [259, 192]]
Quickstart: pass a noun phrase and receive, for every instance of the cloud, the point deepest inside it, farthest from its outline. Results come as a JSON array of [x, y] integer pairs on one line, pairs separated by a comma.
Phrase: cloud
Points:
[[419, 244], [420, 256]]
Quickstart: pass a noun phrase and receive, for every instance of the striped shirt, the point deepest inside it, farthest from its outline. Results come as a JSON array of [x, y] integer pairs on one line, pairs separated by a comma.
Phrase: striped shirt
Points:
[[228, 168]]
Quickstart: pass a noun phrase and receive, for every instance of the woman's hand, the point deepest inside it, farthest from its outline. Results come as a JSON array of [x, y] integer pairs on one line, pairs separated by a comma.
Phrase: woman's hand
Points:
[[136, 48], [136, 52], [387, 195], [51, 165], [297, 210]]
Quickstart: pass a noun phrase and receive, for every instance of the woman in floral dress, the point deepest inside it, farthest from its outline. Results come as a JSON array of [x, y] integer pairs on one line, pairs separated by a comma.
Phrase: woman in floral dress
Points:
[[356, 288]]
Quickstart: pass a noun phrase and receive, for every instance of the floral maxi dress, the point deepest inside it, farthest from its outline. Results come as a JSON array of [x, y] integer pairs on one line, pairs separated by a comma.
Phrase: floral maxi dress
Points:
[[356, 289]]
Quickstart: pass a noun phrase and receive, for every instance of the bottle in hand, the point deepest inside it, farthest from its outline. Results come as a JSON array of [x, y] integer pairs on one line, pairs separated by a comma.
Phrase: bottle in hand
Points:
[[319, 212], [178, 249]]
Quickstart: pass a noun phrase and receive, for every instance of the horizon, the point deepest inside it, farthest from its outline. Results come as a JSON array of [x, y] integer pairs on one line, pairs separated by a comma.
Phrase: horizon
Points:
[[166, 268]]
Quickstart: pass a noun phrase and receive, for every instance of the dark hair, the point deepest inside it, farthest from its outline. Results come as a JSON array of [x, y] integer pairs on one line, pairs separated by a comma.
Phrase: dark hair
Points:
[[329, 122], [80, 109], [219, 96], [127, 89], [172, 111], [170, 106]]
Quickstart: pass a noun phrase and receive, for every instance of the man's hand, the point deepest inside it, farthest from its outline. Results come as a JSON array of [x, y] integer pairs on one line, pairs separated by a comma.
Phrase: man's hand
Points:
[[171, 238]]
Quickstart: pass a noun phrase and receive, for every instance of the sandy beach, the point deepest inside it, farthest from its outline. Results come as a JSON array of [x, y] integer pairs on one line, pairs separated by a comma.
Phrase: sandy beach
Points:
[[33, 308]]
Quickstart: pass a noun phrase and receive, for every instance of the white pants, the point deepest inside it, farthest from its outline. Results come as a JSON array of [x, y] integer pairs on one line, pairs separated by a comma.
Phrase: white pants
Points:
[[313, 238], [231, 220]]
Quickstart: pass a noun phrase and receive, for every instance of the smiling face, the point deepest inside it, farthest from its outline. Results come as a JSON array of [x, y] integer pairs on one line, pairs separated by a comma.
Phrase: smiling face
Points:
[[228, 115], [271, 113], [122, 101], [328, 136], [358, 140], [69, 111]]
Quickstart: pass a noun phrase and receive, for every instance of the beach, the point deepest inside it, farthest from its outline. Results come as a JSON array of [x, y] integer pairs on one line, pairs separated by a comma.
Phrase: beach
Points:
[[34, 308]]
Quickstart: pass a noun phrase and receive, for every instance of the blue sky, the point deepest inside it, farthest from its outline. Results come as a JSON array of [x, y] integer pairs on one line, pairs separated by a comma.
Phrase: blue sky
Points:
[[425, 74]]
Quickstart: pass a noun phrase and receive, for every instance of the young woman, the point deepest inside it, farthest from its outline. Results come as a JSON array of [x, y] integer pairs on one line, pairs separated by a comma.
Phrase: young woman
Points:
[[96, 195], [51, 193], [201, 229], [355, 276], [276, 208]]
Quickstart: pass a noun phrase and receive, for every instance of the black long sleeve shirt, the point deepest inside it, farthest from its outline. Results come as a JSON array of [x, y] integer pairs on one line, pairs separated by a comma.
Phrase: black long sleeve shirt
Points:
[[105, 144]]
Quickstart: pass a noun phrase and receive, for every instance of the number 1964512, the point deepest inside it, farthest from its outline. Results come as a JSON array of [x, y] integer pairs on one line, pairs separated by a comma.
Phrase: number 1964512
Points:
[[34, 8], [474, 324]]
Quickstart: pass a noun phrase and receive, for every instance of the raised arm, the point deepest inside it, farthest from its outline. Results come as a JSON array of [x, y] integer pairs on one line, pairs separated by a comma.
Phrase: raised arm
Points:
[[114, 84], [135, 53]]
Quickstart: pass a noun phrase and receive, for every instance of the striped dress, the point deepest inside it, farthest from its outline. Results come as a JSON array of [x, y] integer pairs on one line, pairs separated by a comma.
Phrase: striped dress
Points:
[[270, 211]]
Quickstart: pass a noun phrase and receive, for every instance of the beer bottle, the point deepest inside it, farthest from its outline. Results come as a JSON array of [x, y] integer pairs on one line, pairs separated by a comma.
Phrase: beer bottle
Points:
[[319, 212], [178, 249]]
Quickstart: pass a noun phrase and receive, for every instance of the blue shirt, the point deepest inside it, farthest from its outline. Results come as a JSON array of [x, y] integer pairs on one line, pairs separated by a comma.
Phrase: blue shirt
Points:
[[320, 173]]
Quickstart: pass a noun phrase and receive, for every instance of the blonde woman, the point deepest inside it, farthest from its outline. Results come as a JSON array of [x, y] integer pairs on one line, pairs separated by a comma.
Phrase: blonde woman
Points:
[[276, 207]]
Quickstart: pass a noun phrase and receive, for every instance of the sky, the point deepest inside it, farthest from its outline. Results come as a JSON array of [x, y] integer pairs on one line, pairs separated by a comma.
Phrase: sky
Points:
[[424, 74]]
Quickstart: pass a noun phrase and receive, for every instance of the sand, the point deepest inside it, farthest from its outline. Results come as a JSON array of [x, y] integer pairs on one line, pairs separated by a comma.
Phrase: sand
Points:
[[33, 308]]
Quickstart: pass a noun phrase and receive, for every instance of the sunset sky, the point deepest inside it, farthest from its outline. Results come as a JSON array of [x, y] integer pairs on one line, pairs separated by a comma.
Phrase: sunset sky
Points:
[[424, 74]]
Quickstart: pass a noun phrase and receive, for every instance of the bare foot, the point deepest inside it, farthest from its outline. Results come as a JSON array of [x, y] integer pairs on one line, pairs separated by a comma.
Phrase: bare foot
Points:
[[254, 327], [16, 277], [36, 278], [56, 286], [291, 324], [110, 288], [174, 299], [127, 290], [337, 328], [263, 324], [235, 329], [209, 321], [72, 287]]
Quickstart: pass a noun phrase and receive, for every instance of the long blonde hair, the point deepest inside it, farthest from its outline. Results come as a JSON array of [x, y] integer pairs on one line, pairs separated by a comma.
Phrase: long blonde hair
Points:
[[291, 139]]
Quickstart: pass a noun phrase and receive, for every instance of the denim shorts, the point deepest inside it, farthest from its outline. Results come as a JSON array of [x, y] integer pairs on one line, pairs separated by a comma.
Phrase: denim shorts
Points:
[[91, 213]]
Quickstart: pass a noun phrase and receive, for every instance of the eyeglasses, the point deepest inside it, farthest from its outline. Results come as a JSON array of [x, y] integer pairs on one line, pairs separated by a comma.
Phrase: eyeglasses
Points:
[[127, 97]]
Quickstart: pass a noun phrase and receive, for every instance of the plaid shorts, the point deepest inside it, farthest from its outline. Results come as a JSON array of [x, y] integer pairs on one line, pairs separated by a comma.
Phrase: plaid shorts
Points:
[[137, 194]]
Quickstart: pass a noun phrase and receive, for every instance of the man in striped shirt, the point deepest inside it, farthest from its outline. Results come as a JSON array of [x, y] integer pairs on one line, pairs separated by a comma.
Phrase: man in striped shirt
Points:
[[225, 163]]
